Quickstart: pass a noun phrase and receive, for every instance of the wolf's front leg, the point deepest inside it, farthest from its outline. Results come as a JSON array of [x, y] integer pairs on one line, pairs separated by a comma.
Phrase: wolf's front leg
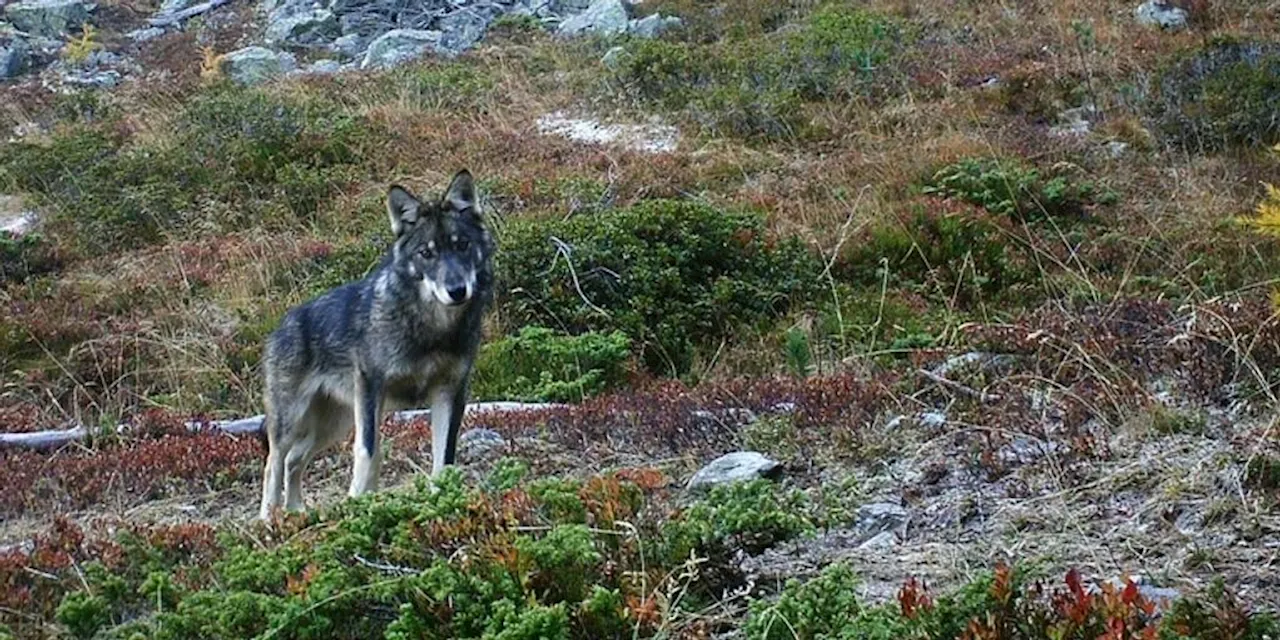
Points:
[[367, 446], [448, 405]]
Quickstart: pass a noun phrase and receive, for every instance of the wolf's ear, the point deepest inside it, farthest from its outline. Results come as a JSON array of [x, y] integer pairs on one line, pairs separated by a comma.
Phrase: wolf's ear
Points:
[[461, 194], [404, 209]]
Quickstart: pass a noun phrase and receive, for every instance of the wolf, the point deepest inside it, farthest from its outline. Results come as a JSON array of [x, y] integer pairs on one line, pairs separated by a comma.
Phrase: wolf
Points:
[[405, 336]]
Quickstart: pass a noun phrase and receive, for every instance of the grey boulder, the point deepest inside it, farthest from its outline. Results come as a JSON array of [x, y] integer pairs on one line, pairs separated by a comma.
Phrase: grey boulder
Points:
[[49, 18], [1159, 13], [399, 46], [312, 27], [15, 56], [254, 65], [652, 26], [735, 467], [603, 17]]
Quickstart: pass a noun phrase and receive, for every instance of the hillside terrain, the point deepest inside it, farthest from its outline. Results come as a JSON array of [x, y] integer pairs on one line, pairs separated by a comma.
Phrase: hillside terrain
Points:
[[980, 297]]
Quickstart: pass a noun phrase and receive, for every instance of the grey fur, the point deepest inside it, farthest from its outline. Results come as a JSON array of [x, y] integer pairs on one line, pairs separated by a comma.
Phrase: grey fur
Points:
[[405, 336]]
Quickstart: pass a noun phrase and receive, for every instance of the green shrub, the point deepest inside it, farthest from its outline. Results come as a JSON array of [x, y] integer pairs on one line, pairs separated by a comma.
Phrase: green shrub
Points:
[[818, 608], [671, 275], [24, 256], [752, 516], [83, 614], [1220, 96], [1010, 189], [961, 253], [756, 86], [540, 364], [235, 157]]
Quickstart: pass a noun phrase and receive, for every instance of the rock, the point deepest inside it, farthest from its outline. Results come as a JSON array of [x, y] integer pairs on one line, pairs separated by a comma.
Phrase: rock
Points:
[[1162, 597], [882, 541], [143, 35], [104, 79], [567, 7], [734, 467], [50, 18], [173, 6], [880, 517], [253, 65], [1117, 149], [324, 67], [478, 443], [979, 360], [398, 46], [462, 29], [653, 26], [932, 419], [603, 17], [349, 46], [15, 56], [1159, 13], [309, 28], [1074, 122]]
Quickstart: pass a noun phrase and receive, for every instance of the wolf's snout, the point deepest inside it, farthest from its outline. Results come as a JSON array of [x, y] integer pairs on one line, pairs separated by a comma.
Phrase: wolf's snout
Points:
[[458, 295]]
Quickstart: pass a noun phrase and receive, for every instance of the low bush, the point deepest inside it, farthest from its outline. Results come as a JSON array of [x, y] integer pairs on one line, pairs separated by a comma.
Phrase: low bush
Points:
[[235, 158], [942, 249], [1011, 189], [755, 86], [1220, 96], [1000, 606], [671, 275], [541, 365]]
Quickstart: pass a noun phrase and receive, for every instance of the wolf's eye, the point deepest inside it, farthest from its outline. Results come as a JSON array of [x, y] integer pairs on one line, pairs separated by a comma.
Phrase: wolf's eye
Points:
[[427, 253], [462, 244]]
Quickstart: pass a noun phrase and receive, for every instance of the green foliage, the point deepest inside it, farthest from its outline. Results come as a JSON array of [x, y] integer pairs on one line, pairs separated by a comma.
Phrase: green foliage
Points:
[[83, 614], [443, 86], [507, 473], [564, 560], [799, 355], [1263, 472], [756, 86], [957, 252], [237, 157], [24, 256], [540, 364], [1010, 189], [671, 275], [1221, 96], [751, 515], [811, 609]]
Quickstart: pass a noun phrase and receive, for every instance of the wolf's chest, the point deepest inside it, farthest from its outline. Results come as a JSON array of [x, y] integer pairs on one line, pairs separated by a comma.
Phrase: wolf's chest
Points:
[[412, 383]]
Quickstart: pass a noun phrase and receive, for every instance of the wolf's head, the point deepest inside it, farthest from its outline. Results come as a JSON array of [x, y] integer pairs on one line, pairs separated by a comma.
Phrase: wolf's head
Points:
[[441, 245]]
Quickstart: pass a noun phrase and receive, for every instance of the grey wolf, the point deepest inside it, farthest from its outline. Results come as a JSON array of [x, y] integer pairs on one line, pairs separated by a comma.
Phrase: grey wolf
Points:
[[405, 336]]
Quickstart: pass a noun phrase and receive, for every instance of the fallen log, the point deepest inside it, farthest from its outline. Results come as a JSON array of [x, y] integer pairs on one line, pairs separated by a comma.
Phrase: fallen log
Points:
[[53, 439]]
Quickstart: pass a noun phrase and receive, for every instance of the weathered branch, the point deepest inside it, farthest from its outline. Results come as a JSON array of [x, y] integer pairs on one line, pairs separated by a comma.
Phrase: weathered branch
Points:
[[46, 440]]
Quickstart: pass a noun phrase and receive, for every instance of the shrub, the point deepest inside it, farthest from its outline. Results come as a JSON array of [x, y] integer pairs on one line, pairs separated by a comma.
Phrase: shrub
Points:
[[540, 364], [236, 157], [807, 609], [83, 614], [948, 249], [24, 256], [671, 275], [1220, 96], [756, 86], [1021, 192], [752, 516]]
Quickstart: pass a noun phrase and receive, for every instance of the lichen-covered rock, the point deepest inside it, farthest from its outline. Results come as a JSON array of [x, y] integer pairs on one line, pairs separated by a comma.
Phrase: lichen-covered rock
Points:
[[398, 46], [652, 26], [740, 466], [603, 17], [254, 65], [462, 29], [308, 28], [15, 56], [49, 18], [1159, 13]]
